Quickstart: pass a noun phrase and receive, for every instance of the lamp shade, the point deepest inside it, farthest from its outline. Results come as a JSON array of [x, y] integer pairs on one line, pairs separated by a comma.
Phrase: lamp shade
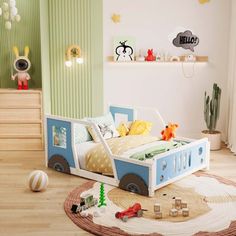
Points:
[[73, 51], [80, 60], [68, 63]]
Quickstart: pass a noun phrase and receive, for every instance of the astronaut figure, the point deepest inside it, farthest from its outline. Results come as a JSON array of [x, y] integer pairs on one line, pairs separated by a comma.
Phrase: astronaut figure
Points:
[[22, 65]]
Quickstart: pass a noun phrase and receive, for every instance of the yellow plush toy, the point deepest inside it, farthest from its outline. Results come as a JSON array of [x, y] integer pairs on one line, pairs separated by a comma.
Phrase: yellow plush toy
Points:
[[123, 129]]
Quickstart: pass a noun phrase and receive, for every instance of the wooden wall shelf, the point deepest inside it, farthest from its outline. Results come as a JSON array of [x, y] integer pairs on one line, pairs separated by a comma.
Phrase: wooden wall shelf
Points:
[[200, 59]]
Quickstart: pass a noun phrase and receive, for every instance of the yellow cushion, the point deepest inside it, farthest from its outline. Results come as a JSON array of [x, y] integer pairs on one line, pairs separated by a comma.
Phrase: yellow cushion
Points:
[[139, 127]]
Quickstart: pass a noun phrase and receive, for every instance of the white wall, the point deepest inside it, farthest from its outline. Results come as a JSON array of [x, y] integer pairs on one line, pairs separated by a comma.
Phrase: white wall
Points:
[[163, 86]]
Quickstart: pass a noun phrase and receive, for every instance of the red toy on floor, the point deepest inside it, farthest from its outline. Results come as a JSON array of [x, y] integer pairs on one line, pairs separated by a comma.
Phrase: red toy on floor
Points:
[[134, 211]]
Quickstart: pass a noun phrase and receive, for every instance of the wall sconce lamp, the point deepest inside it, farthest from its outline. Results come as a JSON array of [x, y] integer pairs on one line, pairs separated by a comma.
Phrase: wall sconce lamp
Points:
[[72, 52]]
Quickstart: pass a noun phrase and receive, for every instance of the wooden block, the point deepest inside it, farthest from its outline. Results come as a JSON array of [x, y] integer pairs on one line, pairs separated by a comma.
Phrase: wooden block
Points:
[[184, 205], [178, 207], [185, 212], [158, 215], [178, 201], [157, 207], [180, 212], [173, 212]]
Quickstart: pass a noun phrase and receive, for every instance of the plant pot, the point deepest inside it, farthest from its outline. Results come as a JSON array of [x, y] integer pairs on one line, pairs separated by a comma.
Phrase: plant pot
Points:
[[214, 139]]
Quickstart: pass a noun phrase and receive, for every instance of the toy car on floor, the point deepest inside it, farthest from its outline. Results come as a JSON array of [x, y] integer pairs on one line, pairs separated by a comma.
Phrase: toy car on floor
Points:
[[86, 202], [134, 211]]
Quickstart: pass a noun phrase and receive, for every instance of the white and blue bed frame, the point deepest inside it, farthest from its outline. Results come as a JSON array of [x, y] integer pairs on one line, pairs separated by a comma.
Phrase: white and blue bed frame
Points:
[[142, 177]]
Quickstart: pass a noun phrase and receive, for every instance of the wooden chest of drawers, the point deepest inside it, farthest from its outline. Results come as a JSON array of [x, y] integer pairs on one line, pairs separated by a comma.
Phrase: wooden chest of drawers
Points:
[[21, 120]]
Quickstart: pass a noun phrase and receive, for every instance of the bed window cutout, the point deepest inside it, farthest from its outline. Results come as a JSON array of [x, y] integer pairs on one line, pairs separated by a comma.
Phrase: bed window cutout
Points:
[[59, 136], [164, 165], [179, 163], [175, 163], [190, 159], [185, 160], [200, 151], [162, 178]]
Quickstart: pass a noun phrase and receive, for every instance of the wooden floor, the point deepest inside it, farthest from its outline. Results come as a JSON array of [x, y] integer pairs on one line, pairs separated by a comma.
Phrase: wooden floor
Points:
[[25, 213]]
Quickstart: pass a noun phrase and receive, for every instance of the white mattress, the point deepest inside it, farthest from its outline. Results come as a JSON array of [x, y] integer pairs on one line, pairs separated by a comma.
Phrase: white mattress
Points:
[[83, 148]]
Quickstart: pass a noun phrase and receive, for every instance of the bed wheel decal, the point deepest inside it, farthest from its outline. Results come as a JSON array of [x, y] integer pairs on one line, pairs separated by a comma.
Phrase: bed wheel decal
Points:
[[133, 183], [59, 163]]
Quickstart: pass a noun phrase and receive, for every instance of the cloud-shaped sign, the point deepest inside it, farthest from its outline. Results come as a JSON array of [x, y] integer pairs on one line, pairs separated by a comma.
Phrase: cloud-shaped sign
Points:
[[186, 40]]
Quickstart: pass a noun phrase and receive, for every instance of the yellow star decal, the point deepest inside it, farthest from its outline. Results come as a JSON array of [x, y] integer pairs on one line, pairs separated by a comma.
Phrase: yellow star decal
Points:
[[115, 18], [203, 1]]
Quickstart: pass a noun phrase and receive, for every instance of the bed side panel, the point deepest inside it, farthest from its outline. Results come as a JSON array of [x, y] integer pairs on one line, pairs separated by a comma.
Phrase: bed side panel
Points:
[[178, 163], [63, 147], [123, 168]]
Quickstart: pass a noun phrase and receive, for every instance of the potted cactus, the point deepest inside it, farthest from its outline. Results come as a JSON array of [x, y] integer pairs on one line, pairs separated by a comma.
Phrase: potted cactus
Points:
[[211, 116]]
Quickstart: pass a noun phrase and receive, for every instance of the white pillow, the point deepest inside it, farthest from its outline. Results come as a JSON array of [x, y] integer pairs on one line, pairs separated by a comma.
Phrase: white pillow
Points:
[[107, 132], [81, 133], [106, 125], [106, 119]]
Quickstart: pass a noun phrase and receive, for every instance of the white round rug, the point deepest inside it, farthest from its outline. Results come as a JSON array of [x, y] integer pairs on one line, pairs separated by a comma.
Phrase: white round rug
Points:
[[212, 209]]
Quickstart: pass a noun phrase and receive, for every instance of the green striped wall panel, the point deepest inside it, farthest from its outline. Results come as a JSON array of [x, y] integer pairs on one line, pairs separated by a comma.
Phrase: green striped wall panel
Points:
[[45, 62], [26, 32], [77, 91]]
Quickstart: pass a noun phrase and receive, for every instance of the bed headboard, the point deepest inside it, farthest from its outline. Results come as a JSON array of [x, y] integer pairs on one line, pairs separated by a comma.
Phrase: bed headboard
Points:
[[124, 114]]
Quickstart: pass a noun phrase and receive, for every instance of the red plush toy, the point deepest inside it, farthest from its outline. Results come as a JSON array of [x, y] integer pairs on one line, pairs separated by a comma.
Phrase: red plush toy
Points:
[[169, 132], [150, 56]]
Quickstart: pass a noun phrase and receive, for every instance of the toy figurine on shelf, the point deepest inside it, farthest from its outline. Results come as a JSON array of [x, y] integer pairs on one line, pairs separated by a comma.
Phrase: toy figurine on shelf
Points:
[[22, 65], [169, 132], [150, 56], [158, 57]]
